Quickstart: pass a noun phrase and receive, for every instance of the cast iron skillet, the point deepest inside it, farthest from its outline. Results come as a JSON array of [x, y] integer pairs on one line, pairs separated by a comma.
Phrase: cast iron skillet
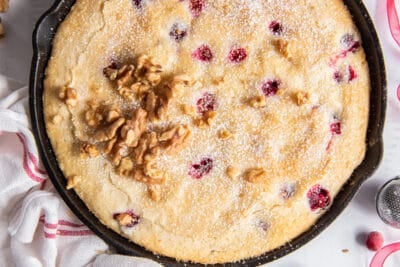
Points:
[[42, 45]]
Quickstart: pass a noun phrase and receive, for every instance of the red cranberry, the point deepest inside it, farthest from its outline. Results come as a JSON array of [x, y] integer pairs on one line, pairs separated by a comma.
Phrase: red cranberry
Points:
[[349, 43], [196, 6], [351, 73], [138, 3], [318, 197], [237, 55], [275, 27], [263, 225], [207, 102], [287, 191], [203, 53], [198, 170], [135, 218], [270, 87], [348, 75], [336, 128], [374, 241], [178, 32]]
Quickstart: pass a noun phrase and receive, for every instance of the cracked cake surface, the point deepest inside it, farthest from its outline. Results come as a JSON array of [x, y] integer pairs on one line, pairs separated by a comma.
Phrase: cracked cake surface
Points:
[[207, 130]]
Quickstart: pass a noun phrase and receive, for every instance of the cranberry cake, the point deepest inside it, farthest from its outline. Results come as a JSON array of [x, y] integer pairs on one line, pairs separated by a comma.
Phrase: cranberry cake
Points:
[[208, 131]]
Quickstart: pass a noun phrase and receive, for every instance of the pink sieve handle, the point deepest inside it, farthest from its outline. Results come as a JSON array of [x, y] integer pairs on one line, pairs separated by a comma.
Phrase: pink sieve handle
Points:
[[393, 20], [379, 259]]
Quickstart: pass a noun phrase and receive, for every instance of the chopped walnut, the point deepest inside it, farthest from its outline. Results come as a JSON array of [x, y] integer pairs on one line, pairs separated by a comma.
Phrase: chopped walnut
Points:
[[232, 172], [89, 150], [150, 169], [206, 119], [124, 219], [118, 151], [258, 102], [72, 181], [109, 145], [133, 128], [154, 193], [125, 167], [69, 95], [284, 48], [141, 177], [174, 139], [125, 76], [255, 175], [224, 134], [302, 98], [148, 70], [109, 132], [113, 114]]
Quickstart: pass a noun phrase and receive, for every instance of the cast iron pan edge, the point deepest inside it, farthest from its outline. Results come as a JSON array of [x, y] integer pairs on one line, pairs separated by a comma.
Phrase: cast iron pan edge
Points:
[[42, 44]]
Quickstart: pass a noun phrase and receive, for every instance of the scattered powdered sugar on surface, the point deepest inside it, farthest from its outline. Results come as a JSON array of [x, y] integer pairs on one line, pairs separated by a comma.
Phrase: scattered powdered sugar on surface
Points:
[[287, 139]]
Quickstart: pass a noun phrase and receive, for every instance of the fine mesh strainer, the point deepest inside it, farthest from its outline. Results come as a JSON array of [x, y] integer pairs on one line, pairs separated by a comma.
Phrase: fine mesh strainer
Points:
[[388, 202]]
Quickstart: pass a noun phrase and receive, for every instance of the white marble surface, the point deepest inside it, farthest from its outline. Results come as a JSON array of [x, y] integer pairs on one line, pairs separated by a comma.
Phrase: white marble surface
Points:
[[347, 231]]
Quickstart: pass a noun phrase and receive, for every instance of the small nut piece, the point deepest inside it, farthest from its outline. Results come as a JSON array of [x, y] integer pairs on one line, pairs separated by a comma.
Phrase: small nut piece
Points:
[[72, 181], [125, 167], [124, 219], [89, 150], [175, 139], [302, 98], [258, 102], [232, 172], [224, 134], [110, 131], [3, 6], [255, 175], [69, 95], [141, 177], [284, 48], [154, 193]]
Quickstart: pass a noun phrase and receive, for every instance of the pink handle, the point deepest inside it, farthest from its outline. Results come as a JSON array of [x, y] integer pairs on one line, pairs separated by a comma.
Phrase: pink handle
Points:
[[379, 259], [393, 20]]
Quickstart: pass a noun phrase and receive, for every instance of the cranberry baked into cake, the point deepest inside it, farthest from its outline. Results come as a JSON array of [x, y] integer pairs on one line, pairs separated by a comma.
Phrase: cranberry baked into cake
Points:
[[207, 130]]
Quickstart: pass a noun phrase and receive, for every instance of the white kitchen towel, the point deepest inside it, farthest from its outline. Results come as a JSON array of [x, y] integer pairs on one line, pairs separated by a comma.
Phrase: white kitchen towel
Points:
[[42, 231]]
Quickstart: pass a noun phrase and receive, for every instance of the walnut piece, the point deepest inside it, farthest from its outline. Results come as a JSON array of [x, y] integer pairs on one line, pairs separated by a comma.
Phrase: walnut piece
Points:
[[72, 181], [89, 150], [224, 134], [302, 98], [69, 96], [174, 139], [154, 193], [141, 177], [284, 48], [125, 167], [124, 219], [258, 102], [109, 132], [3, 6], [255, 175]]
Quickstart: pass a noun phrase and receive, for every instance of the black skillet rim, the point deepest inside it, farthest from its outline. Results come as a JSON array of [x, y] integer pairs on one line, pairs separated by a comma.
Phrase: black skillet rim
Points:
[[42, 44]]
